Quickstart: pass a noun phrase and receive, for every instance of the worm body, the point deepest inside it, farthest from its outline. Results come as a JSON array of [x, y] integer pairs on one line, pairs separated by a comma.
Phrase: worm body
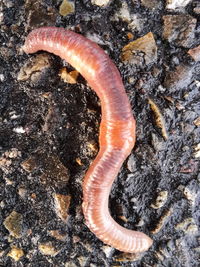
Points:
[[117, 130]]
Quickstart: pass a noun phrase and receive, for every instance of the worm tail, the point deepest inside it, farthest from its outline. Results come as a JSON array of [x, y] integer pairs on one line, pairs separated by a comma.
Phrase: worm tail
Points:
[[96, 190]]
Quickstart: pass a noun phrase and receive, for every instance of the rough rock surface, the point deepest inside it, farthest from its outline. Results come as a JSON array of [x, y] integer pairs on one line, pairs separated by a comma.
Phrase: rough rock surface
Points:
[[177, 4], [179, 29], [49, 136], [143, 50]]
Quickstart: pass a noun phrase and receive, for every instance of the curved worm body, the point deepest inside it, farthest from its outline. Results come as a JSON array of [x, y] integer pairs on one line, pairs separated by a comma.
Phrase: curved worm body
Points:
[[117, 130]]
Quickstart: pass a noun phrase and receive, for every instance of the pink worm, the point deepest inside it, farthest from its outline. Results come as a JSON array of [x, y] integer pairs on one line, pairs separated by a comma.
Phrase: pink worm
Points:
[[117, 130]]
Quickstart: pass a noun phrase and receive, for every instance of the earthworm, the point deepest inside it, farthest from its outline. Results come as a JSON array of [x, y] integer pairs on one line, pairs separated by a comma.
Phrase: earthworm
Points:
[[117, 130]]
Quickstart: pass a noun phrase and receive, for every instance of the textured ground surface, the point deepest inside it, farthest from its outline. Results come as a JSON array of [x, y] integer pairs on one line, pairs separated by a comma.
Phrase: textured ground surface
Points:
[[49, 134]]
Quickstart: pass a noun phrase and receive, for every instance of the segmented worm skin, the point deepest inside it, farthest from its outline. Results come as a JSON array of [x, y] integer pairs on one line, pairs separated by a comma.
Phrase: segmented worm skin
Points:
[[117, 130]]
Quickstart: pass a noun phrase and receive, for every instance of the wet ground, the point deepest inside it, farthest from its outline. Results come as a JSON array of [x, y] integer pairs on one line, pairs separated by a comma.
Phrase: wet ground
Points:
[[49, 134]]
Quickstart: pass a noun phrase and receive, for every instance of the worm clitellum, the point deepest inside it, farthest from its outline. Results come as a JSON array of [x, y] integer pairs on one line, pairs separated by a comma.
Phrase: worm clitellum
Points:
[[117, 130]]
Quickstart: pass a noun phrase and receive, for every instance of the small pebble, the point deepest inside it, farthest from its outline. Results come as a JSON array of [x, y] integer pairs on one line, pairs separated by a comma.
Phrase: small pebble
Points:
[[13, 224], [69, 77], [48, 249], [16, 253], [197, 151], [67, 7], [59, 236], [195, 53], [82, 260], [19, 130], [179, 78], [133, 51], [188, 226], [162, 220], [176, 4], [70, 264], [100, 2], [2, 77], [107, 250], [33, 67], [160, 200], [62, 203], [179, 29], [151, 4], [197, 122]]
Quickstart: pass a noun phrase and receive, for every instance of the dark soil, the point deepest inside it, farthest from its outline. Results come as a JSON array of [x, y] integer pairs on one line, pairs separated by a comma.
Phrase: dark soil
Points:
[[45, 123]]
